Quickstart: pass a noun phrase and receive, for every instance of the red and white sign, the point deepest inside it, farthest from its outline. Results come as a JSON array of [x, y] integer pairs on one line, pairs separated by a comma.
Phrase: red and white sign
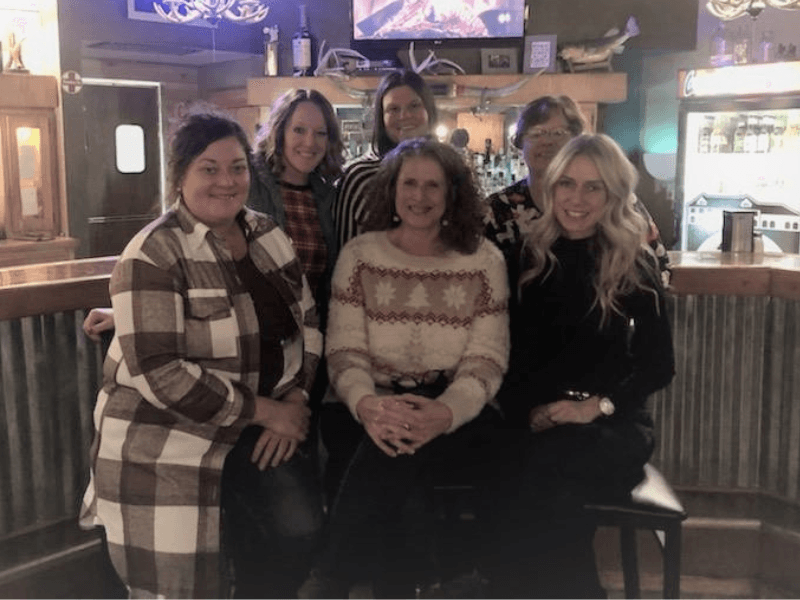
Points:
[[71, 82]]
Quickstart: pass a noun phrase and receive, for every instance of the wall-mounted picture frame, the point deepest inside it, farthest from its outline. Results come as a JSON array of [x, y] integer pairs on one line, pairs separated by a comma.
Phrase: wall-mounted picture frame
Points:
[[540, 53], [499, 60], [142, 10]]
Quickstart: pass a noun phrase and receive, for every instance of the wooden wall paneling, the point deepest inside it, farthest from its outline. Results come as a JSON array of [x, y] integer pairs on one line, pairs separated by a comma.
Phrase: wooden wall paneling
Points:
[[481, 128], [36, 91], [235, 102]]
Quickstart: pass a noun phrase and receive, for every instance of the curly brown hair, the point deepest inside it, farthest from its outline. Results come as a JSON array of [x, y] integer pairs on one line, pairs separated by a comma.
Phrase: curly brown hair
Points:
[[463, 211]]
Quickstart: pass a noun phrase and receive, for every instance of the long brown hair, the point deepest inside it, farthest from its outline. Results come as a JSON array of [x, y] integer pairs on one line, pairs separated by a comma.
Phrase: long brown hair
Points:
[[271, 138], [381, 142]]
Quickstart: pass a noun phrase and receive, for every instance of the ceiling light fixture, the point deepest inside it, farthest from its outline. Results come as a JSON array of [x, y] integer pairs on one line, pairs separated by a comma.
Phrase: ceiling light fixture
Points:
[[213, 11], [728, 10]]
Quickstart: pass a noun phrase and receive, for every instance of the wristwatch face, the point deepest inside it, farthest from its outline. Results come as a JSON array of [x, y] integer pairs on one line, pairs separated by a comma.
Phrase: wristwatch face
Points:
[[606, 406]]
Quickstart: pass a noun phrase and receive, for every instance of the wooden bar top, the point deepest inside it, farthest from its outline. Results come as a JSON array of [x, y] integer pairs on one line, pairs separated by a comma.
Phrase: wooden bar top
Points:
[[69, 285], [54, 287], [736, 274]]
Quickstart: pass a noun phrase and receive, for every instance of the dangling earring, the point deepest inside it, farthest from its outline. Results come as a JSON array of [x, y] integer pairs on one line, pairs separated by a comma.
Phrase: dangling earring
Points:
[[395, 218], [445, 222]]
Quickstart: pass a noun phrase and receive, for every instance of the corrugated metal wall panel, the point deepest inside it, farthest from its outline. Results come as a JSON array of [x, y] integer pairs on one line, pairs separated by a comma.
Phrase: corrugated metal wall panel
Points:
[[50, 375], [731, 417]]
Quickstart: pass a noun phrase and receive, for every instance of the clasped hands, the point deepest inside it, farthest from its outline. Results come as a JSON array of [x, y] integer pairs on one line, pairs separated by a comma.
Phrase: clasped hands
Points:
[[286, 422], [562, 412], [403, 423]]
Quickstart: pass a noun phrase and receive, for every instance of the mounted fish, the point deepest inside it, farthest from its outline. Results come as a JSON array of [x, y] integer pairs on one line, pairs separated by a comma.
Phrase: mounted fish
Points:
[[596, 54]]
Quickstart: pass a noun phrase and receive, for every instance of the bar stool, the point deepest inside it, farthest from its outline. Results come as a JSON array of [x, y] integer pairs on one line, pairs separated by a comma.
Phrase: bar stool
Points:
[[654, 506]]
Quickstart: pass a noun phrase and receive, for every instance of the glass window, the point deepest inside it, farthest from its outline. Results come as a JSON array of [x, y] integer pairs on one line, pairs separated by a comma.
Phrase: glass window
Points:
[[29, 143], [130, 148]]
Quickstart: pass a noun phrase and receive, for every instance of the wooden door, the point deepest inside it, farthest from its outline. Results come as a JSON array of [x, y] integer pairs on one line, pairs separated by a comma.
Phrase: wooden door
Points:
[[109, 201]]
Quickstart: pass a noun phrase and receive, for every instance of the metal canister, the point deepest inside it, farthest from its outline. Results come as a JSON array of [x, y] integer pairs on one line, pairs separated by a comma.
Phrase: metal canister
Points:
[[737, 230]]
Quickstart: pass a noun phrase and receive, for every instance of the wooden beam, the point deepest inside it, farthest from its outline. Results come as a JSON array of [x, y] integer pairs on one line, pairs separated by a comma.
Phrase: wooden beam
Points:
[[28, 91], [598, 88]]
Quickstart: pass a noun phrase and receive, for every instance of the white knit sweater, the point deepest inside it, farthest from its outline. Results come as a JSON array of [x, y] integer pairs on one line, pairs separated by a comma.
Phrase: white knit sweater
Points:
[[395, 316]]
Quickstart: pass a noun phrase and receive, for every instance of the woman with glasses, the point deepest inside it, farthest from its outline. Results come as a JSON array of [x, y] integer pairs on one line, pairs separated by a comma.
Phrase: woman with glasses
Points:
[[543, 127]]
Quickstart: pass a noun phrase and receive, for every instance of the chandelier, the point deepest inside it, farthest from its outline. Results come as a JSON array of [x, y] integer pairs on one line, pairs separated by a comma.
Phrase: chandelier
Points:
[[213, 11], [733, 9]]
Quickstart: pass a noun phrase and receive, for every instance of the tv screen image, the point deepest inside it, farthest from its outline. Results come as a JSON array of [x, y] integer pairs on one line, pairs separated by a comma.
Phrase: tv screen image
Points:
[[437, 19]]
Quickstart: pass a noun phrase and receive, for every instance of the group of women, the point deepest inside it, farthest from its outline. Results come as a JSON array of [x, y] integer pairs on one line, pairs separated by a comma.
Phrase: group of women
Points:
[[205, 465]]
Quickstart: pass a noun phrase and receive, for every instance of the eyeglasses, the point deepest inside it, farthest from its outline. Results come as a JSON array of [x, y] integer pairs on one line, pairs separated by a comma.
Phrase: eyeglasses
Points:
[[538, 133]]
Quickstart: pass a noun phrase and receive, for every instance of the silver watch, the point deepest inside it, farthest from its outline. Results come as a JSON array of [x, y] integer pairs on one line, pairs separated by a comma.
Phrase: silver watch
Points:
[[607, 407]]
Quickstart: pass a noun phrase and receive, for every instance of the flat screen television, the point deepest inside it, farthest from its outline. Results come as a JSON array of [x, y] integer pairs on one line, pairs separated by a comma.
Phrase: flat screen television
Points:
[[380, 27]]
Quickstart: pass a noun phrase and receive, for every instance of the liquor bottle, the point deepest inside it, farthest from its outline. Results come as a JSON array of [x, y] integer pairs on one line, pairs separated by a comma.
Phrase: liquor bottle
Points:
[[719, 139], [751, 135], [741, 47], [776, 141], [766, 48], [271, 51], [704, 139], [302, 51], [738, 135], [765, 133], [721, 50]]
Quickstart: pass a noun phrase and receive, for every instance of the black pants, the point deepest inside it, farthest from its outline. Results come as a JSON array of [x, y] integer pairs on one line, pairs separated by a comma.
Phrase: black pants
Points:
[[272, 519], [543, 544], [370, 532]]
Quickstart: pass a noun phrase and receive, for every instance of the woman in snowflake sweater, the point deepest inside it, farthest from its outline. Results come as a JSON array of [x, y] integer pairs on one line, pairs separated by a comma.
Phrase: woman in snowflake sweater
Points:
[[417, 346]]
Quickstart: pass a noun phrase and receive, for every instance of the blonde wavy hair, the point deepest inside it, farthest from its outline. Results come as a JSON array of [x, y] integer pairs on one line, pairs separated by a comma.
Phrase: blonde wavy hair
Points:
[[624, 261]]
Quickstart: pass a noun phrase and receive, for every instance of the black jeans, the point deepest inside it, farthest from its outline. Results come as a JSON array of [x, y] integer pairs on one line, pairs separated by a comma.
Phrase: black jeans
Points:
[[543, 538], [370, 532], [272, 519]]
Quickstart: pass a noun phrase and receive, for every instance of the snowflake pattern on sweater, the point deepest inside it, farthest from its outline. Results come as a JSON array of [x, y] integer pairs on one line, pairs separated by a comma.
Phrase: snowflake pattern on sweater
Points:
[[394, 317]]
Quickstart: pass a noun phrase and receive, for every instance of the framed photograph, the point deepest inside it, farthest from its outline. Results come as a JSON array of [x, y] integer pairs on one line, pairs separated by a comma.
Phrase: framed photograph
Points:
[[540, 53], [142, 10], [351, 126], [498, 60]]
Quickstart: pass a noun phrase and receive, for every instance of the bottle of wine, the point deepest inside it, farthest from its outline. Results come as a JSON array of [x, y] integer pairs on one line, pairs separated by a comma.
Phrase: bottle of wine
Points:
[[302, 47]]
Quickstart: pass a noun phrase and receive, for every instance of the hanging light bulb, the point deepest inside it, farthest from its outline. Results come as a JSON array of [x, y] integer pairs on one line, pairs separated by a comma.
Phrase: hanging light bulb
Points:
[[728, 10], [213, 11]]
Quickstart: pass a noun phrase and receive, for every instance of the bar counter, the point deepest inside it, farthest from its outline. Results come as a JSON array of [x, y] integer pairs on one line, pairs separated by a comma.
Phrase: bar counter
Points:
[[736, 274]]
